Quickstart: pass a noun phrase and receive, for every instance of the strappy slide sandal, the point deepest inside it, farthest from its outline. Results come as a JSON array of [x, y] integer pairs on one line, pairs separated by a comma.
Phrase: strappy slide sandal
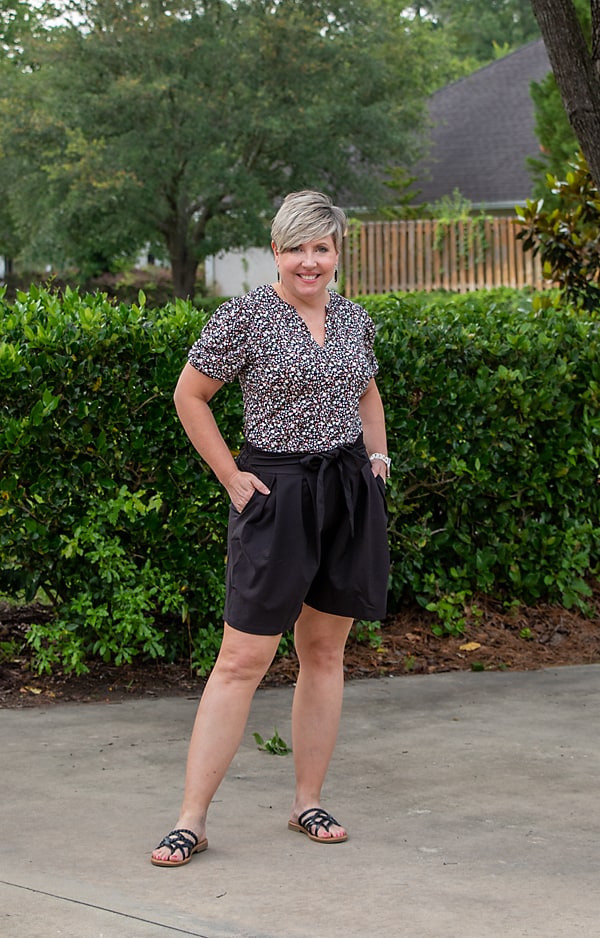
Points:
[[313, 820], [183, 840]]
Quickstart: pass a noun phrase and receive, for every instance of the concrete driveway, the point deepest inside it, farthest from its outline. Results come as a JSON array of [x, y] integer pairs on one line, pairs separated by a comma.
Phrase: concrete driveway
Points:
[[472, 802]]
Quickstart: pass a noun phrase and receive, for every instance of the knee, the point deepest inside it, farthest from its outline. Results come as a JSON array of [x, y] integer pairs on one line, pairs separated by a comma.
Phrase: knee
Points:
[[242, 666], [320, 657]]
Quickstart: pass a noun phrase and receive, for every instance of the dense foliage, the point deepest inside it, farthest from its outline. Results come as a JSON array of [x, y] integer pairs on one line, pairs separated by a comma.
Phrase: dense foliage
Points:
[[179, 124], [566, 233], [494, 426], [477, 30], [103, 504], [493, 406], [175, 125]]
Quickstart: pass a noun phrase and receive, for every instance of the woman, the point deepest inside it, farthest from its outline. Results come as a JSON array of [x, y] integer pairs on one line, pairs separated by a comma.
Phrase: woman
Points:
[[307, 545]]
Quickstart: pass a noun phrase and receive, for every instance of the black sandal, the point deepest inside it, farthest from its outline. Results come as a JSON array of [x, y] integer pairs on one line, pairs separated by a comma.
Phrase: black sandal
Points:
[[313, 820], [184, 841]]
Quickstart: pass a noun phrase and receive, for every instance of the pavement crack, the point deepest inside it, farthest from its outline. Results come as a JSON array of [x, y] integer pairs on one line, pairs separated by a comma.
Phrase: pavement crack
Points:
[[101, 908]]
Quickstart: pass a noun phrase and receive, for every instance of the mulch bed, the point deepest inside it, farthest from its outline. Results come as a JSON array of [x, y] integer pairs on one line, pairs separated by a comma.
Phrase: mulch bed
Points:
[[520, 639]]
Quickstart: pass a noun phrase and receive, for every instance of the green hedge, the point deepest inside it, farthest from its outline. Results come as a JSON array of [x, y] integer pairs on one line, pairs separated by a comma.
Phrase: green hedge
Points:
[[103, 504], [493, 406], [493, 422]]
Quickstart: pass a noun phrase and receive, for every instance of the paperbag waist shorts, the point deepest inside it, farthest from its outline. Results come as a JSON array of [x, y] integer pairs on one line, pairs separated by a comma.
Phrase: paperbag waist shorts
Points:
[[319, 537]]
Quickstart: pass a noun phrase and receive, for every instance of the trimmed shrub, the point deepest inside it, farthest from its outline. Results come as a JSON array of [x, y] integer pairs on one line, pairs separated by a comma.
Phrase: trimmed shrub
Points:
[[104, 505], [493, 417], [493, 413]]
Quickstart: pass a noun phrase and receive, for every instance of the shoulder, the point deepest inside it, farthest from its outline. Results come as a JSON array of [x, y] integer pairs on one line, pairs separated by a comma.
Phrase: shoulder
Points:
[[352, 319], [344, 306], [258, 298], [239, 312], [249, 305], [349, 311]]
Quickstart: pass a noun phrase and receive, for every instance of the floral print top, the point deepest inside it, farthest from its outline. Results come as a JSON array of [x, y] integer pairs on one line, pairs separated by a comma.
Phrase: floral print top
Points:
[[298, 396]]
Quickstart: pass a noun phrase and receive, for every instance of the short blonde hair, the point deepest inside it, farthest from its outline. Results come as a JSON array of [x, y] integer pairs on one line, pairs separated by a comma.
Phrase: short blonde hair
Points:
[[307, 216]]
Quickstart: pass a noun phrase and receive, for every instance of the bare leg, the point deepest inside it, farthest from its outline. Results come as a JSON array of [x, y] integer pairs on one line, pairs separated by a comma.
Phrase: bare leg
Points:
[[320, 642], [220, 723]]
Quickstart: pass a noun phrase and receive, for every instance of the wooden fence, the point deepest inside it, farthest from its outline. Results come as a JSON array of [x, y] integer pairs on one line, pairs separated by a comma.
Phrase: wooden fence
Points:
[[380, 257]]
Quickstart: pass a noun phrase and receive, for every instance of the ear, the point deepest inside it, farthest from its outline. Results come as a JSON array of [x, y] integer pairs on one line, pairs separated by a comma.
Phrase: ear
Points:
[[274, 249]]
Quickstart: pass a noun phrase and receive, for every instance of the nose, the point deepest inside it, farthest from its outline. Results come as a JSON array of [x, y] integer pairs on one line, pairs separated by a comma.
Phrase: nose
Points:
[[309, 259]]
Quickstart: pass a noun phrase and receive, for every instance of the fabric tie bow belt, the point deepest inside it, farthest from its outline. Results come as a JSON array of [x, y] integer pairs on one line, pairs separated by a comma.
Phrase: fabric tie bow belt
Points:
[[346, 459]]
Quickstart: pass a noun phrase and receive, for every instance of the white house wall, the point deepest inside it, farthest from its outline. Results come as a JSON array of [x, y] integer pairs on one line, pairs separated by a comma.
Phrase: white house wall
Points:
[[235, 272]]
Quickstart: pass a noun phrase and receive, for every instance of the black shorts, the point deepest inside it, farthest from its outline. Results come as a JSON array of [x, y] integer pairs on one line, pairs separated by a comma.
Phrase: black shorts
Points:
[[319, 537]]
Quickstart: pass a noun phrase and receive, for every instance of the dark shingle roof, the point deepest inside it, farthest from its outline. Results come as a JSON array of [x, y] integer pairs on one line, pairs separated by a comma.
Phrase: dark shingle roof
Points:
[[483, 131]]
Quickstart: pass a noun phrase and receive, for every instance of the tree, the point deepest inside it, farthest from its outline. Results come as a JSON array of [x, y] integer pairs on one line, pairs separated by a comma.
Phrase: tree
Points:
[[566, 235], [179, 124], [478, 30], [576, 67], [17, 21], [484, 28], [558, 143]]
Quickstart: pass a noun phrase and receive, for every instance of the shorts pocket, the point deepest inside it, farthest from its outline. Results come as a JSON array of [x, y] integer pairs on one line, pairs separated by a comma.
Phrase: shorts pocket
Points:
[[257, 498], [381, 487]]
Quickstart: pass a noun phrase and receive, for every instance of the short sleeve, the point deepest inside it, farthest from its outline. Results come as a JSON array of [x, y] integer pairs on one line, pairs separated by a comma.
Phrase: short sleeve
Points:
[[221, 350], [369, 341]]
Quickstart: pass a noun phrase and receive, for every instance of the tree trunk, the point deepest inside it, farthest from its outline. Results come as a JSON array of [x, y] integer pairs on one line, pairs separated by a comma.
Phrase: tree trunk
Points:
[[184, 267], [576, 70]]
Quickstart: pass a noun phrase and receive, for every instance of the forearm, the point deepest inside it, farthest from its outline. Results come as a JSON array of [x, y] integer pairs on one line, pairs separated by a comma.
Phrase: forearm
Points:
[[373, 424], [373, 421]]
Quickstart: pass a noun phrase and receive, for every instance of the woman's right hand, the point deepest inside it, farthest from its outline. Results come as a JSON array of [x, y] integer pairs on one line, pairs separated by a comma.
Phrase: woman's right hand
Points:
[[241, 487]]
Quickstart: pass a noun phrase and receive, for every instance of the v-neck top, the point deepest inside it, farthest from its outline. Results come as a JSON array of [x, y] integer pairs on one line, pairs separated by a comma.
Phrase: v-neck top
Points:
[[298, 396]]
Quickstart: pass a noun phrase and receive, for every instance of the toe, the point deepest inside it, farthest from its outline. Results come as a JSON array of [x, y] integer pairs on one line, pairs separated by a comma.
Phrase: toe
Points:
[[163, 854]]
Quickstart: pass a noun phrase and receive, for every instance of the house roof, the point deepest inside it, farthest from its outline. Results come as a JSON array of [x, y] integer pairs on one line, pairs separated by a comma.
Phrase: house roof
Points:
[[483, 131]]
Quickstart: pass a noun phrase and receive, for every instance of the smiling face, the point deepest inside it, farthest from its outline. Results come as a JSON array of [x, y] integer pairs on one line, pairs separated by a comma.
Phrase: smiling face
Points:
[[306, 269]]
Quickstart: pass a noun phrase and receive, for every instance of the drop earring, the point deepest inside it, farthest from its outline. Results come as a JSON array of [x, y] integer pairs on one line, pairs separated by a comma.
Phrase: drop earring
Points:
[[335, 275], [278, 276]]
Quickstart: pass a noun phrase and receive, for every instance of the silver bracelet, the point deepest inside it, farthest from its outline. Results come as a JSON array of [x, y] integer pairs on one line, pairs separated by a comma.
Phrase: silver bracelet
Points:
[[385, 459]]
